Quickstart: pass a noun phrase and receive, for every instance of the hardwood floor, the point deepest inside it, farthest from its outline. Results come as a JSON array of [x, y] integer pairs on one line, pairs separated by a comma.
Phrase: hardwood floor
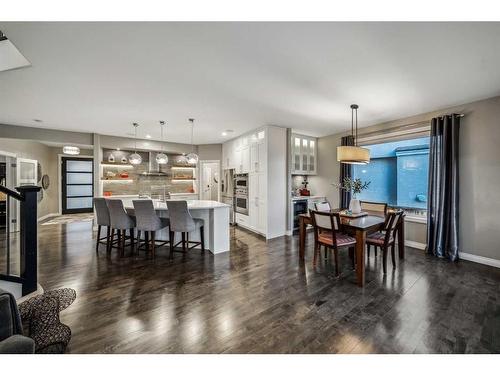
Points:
[[259, 298]]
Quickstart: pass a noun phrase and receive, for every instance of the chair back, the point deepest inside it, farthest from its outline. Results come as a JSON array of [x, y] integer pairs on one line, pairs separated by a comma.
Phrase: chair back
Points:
[[322, 206], [326, 221], [391, 223], [118, 216], [180, 218], [146, 218], [373, 206], [102, 212]]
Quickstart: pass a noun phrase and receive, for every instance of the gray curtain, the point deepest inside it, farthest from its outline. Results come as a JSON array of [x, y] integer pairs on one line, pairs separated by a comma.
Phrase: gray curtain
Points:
[[345, 171], [442, 206]]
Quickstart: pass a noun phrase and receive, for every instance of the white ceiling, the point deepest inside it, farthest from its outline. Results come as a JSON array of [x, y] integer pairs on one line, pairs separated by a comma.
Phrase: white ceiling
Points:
[[101, 77]]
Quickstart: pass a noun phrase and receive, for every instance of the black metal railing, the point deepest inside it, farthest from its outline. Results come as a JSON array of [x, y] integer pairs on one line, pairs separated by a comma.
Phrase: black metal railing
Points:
[[28, 237]]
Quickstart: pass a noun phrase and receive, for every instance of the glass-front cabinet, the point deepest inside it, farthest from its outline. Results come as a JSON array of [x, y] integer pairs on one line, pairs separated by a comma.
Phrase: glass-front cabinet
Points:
[[304, 155]]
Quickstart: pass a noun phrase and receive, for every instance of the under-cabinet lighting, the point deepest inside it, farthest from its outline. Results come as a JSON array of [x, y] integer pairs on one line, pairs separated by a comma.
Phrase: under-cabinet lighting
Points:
[[183, 167], [118, 180], [117, 165]]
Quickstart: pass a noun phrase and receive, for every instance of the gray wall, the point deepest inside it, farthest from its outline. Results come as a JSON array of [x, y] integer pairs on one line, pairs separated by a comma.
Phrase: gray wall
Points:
[[210, 152], [47, 157], [479, 173]]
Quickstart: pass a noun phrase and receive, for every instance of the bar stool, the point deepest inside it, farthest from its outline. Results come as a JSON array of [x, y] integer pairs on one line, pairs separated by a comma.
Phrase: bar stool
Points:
[[103, 220], [121, 222], [182, 221], [147, 221]]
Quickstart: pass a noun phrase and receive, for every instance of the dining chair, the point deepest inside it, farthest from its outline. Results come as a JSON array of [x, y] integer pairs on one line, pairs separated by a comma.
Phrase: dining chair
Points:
[[386, 238], [327, 234], [373, 206], [322, 206], [103, 220], [120, 222], [147, 221], [182, 222]]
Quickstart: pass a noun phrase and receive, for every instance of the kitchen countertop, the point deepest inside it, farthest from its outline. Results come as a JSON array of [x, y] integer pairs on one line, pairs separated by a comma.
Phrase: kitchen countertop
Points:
[[307, 197]]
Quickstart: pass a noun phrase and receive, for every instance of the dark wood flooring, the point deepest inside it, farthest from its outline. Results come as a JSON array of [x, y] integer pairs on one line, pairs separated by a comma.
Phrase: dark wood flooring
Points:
[[259, 298]]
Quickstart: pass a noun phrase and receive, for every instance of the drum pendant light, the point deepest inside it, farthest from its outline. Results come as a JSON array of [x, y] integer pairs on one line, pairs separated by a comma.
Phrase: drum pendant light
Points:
[[162, 158], [192, 158], [135, 158], [353, 154]]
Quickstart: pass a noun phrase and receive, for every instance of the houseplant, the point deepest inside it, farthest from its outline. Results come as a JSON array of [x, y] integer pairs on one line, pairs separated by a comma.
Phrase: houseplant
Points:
[[355, 186]]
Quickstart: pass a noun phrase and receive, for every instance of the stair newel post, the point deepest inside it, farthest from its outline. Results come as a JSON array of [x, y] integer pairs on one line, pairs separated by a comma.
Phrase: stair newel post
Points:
[[29, 236]]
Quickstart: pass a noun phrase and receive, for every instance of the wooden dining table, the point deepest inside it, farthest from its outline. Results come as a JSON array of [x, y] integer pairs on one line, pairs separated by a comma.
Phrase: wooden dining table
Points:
[[359, 228]]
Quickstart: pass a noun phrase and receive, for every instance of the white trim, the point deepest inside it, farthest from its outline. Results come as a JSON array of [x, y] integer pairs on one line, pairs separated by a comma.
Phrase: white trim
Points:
[[41, 218], [416, 219], [8, 154], [393, 134], [415, 245], [479, 259]]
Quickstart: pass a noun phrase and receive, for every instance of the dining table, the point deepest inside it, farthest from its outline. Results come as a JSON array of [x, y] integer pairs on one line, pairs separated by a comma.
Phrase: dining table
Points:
[[359, 227]]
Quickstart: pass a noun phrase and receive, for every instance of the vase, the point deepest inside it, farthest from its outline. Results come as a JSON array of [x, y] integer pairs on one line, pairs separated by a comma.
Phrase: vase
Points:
[[355, 206]]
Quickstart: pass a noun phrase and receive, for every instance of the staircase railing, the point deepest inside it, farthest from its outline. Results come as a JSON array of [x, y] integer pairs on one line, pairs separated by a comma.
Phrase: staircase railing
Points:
[[28, 235]]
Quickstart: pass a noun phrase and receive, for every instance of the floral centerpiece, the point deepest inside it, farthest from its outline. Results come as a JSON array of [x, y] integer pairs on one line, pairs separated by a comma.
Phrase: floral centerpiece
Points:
[[355, 186]]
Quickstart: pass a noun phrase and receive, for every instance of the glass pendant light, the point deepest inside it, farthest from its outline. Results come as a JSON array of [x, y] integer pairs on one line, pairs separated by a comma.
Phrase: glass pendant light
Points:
[[353, 154], [135, 158], [192, 158], [162, 158]]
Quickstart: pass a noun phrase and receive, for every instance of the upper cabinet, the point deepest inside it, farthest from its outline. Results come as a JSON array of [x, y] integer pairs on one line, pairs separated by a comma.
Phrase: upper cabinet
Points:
[[304, 154], [245, 154]]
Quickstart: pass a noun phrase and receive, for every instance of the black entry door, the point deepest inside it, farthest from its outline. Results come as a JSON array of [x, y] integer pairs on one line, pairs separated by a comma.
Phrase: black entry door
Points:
[[77, 185]]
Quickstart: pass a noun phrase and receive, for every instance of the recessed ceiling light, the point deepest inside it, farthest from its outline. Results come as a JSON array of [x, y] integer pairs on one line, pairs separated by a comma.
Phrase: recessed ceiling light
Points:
[[37, 120], [227, 132], [224, 134], [148, 136]]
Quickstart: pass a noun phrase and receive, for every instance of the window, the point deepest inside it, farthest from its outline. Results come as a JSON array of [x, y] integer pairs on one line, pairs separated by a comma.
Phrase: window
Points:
[[398, 173]]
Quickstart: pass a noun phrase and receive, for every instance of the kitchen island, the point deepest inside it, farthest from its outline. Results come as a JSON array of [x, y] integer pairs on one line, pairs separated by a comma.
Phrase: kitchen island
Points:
[[214, 214]]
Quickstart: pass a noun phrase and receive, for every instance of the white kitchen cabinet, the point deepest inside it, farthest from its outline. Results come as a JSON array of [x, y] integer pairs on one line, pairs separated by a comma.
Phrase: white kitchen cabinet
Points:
[[304, 154]]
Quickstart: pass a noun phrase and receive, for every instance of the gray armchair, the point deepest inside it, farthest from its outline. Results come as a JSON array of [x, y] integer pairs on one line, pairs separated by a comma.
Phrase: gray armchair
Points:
[[12, 340]]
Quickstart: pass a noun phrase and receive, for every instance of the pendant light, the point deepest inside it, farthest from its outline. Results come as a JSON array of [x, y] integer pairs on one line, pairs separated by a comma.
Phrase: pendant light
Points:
[[353, 154], [135, 158], [192, 158], [162, 158]]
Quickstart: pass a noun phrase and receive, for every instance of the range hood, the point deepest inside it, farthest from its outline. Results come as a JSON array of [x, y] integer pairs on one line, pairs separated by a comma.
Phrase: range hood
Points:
[[153, 166]]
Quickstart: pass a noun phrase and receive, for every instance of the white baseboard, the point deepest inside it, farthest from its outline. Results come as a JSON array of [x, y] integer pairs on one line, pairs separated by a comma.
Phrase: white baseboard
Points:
[[47, 216], [415, 245], [479, 259]]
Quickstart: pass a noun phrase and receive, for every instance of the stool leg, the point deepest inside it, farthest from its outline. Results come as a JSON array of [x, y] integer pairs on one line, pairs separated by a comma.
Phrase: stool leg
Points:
[[202, 238], [132, 240], [98, 238], [153, 243], [138, 241], [108, 235], [146, 239], [111, 240], [183, 242], [171, 240], [122, 249]]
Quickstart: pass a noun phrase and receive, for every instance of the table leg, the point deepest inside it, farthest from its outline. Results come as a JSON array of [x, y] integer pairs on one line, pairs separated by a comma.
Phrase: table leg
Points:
[[302, 238], [360, 256], [401, 238]]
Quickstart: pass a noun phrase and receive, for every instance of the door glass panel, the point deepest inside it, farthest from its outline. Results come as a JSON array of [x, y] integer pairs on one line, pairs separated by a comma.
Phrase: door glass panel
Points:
[[79, 190], [75, 203], [79, 166], [311, 155], [79, 178], [305, 155]]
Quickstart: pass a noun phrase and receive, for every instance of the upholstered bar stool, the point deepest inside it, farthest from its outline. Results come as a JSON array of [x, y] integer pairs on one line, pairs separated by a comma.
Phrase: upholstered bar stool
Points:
[[182, 221], [147, 221], [120, 222], [103, 220]]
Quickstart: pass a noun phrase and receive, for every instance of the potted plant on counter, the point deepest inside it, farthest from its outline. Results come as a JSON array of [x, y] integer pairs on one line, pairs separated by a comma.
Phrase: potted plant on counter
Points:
[[355, 186]]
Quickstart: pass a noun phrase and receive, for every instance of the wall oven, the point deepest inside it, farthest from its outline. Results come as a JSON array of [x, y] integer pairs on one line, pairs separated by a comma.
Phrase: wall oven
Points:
[[241, 181], [241, 202]]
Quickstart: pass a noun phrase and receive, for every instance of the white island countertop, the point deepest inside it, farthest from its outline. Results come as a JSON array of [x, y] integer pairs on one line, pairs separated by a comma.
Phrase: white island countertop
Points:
[[215, 216]]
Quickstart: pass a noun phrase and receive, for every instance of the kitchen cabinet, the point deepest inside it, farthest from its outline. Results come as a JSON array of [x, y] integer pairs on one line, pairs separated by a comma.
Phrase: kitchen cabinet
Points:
[[304, 155], [257, 201]]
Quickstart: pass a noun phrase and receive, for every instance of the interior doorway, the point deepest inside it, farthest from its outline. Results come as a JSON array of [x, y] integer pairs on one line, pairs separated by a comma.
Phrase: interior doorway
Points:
[[77, 184], [210, 180]]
